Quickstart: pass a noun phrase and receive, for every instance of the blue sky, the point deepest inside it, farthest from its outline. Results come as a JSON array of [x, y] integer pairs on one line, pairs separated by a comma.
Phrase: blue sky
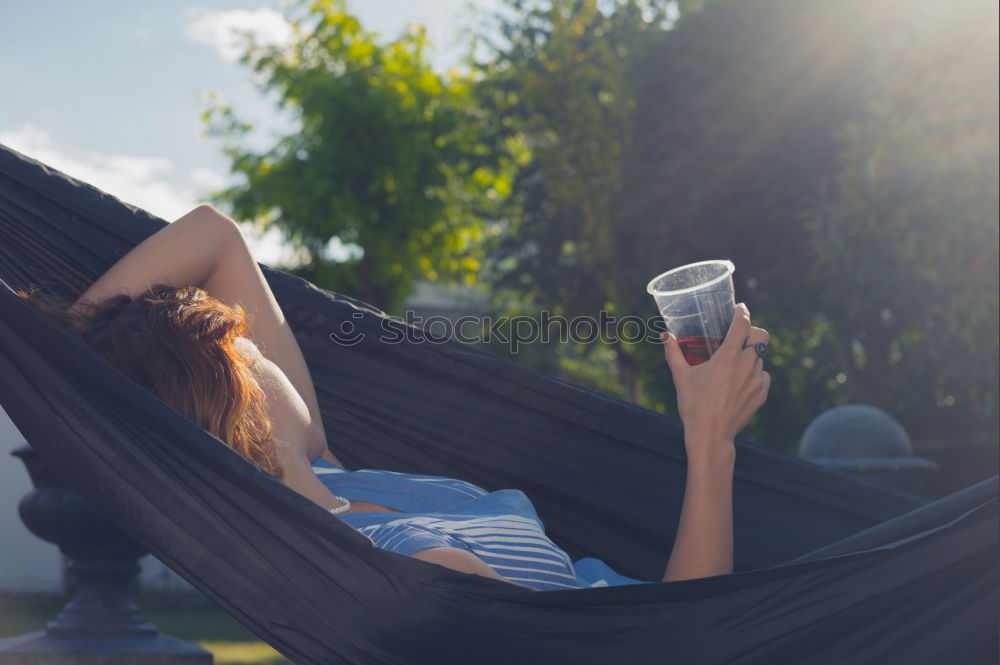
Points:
[[111, 91]]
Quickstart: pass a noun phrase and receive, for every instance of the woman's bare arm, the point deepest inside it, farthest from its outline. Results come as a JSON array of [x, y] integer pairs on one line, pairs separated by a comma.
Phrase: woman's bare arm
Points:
[[184, 253], [462, 561], [703, 545], [238, 279], [715, 400], [205, 248]]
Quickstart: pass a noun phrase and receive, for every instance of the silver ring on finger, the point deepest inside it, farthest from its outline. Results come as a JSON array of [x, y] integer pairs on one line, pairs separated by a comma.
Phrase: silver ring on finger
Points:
[[759, 347]]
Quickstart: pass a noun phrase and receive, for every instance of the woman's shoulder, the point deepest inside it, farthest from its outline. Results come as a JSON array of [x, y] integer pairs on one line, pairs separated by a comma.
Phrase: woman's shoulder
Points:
[[290, 418]]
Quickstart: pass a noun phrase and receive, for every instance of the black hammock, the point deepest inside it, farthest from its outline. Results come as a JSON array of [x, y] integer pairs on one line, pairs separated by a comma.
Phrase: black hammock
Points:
[[830, 569]]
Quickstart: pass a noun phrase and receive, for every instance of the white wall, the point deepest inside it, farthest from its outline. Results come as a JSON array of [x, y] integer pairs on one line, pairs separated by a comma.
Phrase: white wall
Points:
[[29, 564]]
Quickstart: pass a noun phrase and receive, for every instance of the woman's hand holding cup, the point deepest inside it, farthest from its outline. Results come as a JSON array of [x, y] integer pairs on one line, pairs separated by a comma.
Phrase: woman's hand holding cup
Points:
[[716, 399]]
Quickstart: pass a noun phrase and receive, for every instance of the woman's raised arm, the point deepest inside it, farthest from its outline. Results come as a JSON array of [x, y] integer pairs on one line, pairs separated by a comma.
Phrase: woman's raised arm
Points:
[[715, 400], [205, 248], [184, 253]]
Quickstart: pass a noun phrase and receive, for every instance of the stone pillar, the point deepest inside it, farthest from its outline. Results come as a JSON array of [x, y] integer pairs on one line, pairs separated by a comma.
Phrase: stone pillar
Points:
[[866, 442], [100, 625]]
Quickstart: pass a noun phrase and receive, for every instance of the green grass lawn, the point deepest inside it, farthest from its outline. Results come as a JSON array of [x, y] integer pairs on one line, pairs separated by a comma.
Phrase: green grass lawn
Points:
[[189, 618]]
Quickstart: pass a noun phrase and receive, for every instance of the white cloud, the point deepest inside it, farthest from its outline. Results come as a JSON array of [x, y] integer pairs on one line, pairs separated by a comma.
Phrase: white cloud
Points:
[[227, 30], [208, 180], [140, 181], [144, 182], [269, 247]]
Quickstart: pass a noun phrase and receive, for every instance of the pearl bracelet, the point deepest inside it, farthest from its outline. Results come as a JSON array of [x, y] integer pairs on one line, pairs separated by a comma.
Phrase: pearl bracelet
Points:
[[342, 508]]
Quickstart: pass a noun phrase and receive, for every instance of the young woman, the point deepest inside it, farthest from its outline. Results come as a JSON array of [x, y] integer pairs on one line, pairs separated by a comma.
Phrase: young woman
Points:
[[188, 314]]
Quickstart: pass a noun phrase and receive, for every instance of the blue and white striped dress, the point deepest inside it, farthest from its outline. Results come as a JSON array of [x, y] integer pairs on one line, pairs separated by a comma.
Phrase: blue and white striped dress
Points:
[[500, 527]]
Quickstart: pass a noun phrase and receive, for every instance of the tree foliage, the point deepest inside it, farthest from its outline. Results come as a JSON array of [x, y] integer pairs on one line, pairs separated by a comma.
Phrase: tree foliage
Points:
[[384, 160], [846, 158], [842, 154], [905, 232], [562, 83]]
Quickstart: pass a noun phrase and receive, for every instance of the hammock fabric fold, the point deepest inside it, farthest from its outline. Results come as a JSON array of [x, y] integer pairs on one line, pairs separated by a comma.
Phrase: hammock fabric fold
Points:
[[830, 569]]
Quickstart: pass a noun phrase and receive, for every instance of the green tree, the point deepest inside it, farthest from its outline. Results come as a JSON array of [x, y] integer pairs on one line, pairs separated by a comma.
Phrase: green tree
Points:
[[737, 113], [561, 82], [905, 233], [384, 159], [750, 130], [844, 156]]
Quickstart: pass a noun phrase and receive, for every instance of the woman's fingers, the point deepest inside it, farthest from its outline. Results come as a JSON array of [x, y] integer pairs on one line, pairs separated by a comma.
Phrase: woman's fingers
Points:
[[672, 352], [755, 336], [738, 329], [765, 386], [720, 396]]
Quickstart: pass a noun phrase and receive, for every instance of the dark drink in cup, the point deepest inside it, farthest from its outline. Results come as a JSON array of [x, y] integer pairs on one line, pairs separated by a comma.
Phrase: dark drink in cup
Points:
[[697, 350]]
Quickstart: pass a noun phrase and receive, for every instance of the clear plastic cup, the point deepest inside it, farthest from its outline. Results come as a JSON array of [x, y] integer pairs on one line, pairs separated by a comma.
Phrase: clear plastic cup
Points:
[[697, 303]]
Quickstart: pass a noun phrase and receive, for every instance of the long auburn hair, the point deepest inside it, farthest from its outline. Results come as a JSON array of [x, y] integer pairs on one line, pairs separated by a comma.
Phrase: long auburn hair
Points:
[[179, 342]]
